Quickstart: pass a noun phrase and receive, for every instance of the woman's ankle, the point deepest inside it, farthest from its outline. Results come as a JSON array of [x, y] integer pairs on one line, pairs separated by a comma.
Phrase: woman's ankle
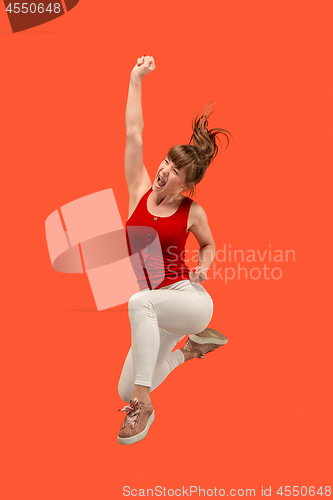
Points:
[[190, 354], [142, 393]]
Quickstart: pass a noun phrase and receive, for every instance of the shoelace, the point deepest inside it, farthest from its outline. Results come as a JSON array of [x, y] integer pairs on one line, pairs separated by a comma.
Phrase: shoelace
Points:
[[189, 347], [132, 411]]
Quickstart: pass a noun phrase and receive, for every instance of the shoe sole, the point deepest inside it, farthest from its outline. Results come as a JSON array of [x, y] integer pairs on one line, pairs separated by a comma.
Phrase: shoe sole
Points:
[[141, 435], [219, 340]]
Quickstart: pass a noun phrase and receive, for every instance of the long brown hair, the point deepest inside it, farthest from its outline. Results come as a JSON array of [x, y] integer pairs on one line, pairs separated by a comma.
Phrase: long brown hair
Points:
[[196, 158]]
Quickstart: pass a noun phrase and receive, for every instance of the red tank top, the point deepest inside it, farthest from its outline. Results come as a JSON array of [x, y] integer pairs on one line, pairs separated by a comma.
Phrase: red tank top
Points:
[[156, 245]]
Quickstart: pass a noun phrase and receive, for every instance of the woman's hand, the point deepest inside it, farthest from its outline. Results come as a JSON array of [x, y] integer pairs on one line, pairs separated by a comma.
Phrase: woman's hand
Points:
[[144, 65], [198, 275]]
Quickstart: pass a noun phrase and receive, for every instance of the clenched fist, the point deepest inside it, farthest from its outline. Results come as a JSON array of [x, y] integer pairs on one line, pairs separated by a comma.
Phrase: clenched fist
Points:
[[144, 65], [198, 275]]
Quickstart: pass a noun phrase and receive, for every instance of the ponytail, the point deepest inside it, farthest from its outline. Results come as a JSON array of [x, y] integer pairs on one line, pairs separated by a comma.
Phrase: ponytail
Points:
[[196, 158], [204, 140]]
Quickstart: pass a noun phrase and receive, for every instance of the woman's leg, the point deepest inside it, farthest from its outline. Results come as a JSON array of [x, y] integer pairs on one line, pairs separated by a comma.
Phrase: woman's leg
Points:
[[166, 362], [180, 309]]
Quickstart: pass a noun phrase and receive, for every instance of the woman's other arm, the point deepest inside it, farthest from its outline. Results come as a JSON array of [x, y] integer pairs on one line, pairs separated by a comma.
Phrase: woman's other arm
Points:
[[136, 174], [203, 234]]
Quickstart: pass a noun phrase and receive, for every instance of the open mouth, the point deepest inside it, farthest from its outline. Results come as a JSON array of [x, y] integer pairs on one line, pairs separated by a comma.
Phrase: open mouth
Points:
[[160, 181]]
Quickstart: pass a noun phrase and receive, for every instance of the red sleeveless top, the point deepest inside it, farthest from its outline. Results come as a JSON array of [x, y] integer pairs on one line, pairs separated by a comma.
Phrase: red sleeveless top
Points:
[[156, 245]]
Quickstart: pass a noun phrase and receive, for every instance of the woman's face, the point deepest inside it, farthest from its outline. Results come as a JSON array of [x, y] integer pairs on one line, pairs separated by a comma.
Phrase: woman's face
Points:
[[169, 178]]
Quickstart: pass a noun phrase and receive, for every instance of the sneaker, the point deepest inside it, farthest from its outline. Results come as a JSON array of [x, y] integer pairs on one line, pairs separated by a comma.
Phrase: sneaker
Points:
[[206, 341], [137, 422]]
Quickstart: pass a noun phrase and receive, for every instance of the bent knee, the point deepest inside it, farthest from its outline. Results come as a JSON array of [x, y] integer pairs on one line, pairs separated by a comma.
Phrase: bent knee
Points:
[[139, 302]]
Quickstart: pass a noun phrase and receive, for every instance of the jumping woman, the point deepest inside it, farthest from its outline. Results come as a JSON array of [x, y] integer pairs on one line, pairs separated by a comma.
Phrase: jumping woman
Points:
[[171, 302]]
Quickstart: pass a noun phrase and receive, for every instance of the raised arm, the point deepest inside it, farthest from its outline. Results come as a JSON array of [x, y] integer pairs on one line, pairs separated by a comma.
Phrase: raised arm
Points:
[[137, 177]]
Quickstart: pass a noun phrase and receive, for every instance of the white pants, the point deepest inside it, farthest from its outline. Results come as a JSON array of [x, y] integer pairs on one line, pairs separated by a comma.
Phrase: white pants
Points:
[[159, 319]]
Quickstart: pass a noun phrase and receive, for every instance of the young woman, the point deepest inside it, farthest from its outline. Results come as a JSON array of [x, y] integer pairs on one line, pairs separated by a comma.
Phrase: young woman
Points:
[[172, 302]]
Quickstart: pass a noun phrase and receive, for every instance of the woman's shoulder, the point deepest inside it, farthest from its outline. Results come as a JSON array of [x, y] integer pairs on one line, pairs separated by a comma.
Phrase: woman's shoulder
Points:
[[197, 215], [196, 208], [137, 197]]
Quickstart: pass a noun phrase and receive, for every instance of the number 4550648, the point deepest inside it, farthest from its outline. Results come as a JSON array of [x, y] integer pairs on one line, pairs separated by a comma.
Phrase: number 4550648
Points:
[[33, 8], [303, 491]]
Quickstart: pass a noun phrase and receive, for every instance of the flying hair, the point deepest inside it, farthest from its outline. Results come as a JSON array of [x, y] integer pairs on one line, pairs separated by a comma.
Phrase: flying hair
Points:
[[195, 158]]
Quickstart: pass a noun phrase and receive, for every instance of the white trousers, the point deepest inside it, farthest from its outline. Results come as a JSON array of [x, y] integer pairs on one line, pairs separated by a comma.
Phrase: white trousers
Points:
[[159, 319]]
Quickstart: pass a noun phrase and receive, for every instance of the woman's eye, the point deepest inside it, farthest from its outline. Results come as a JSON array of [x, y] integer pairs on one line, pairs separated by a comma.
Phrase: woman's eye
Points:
[[176, 172]]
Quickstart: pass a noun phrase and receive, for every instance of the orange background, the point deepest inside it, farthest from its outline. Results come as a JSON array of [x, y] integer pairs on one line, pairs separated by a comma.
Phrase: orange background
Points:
[[258, 412]]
